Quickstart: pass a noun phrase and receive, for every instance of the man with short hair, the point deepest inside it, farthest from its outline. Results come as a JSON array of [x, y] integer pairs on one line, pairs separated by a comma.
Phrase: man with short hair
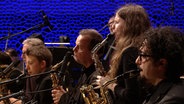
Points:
[[39, 60], [85, 42]]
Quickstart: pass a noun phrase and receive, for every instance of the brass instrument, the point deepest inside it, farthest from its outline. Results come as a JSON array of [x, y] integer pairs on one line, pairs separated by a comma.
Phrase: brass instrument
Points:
[[54, 77], [90, 97], [88, 93], [126, 75], [98, 63], [63, 64]]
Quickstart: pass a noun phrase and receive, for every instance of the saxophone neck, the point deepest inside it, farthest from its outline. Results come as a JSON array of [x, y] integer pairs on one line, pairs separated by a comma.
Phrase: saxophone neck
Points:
[[56, 66], [109, 82]]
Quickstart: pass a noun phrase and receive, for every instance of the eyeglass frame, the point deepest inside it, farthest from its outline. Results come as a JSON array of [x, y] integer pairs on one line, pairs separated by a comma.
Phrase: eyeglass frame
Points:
[[141, 54]]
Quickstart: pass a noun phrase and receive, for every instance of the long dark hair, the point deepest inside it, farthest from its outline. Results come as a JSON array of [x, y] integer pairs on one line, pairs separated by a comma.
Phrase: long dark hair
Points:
[[136, 23]]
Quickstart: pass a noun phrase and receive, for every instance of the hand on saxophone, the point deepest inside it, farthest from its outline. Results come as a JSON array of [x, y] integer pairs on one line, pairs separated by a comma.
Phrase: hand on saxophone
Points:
[[100, 81], [57, 93]]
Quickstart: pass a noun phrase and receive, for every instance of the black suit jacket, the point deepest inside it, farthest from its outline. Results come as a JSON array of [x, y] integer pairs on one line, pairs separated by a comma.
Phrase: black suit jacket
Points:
[[74, 96], [44, 82], [167, 93]]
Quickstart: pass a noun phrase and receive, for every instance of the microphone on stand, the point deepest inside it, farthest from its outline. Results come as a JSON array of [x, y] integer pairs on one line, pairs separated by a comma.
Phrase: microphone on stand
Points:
[[111, 48], [64, 73], [65, 64], [46, 20]]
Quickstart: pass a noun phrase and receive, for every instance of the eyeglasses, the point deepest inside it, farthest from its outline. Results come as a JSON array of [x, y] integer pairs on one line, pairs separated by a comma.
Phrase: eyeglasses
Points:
[[143, 55]]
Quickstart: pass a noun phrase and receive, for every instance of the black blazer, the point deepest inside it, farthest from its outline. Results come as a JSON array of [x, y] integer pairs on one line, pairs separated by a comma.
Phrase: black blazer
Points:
[[74, 96], [167, 93], [44, 82]]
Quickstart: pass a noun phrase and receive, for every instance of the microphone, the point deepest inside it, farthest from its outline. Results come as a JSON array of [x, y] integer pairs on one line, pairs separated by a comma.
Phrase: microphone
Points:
[[9, 68], [65, 63], [46, 20], [63, 74]]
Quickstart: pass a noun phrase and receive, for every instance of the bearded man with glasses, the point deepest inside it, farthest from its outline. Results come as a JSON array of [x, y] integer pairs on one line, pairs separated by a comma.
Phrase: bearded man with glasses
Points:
[[161, 64]]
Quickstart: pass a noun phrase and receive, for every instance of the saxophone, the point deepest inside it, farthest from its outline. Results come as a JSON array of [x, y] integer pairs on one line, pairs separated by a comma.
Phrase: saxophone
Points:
[[90, 97], [87, 91], [54, 77], [63, 64]]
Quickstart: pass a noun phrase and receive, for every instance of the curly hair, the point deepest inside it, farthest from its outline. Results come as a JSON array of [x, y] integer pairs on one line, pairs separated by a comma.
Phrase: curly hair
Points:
[[167, 43]]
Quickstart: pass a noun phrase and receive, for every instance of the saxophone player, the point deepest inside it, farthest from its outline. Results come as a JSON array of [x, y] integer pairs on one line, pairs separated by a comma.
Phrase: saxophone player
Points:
[[130, 22], [85, 42], [38, 60]]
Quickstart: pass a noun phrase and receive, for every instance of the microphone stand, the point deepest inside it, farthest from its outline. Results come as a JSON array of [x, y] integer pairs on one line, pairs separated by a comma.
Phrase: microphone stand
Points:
[[13, 95], [111, 48], [6, 45], [22, 76], [31, 28]]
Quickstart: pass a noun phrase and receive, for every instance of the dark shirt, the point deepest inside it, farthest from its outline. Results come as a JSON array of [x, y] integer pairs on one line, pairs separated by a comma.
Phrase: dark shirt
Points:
[[41, 93], [74, 96], [30, 87]]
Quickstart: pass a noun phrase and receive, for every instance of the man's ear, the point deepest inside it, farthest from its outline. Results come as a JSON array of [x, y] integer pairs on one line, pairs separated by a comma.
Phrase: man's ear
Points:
[[43, 64], [162, 64]]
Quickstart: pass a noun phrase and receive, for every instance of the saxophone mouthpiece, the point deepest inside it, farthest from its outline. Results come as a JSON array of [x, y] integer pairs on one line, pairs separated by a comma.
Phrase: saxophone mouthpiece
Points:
[[129, 74]]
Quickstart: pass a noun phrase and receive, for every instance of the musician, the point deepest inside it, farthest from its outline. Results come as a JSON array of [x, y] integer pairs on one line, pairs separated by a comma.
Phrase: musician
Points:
[[110, 24], [29, 42], [161, 64], [39, 60], [12, 87], [86, 40], [130, 22], [30, 82], [109, 46], [15, 57]]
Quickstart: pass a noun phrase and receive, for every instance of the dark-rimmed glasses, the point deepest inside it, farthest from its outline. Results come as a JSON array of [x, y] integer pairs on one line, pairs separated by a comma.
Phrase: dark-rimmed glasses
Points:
[[143, 55]]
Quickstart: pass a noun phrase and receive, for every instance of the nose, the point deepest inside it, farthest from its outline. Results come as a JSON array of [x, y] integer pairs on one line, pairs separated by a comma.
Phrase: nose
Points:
[[22, 56], [74, 48], [137, 61], [27, 66], [112, 27]]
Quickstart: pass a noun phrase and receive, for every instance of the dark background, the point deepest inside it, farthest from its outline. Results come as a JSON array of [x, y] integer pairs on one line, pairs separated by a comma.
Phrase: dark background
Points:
[[69, 16]]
